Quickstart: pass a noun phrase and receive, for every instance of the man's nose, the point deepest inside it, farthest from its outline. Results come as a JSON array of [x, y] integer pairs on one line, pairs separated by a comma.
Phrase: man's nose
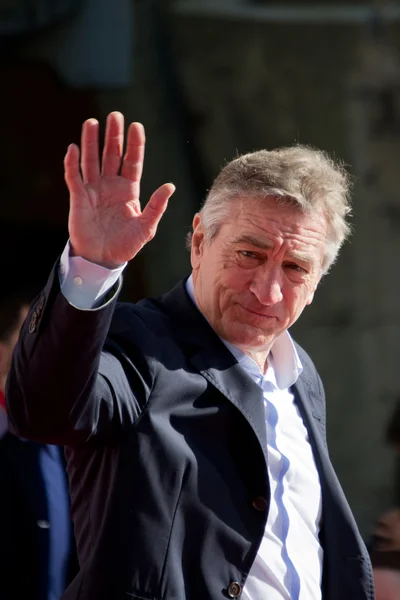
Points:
[[267, 287]]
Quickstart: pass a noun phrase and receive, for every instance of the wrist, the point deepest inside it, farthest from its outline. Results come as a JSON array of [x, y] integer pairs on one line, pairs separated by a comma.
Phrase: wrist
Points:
[[96, 260]]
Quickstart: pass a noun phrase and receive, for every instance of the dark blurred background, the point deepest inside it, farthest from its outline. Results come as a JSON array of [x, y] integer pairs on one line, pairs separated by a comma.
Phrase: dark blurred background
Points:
[[209, 79]]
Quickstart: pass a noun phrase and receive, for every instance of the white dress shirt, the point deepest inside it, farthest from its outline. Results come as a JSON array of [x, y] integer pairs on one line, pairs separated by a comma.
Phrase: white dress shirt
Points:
[[288, 565]]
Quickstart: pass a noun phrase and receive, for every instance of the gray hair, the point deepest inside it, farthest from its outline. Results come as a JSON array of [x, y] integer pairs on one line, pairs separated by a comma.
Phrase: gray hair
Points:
[[299, 175]]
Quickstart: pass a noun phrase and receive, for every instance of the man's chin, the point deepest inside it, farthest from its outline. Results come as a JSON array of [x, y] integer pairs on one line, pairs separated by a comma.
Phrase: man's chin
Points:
[[251, 337]]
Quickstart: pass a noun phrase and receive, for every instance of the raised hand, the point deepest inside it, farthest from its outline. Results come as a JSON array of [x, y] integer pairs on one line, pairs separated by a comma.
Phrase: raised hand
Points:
[[106, 223]]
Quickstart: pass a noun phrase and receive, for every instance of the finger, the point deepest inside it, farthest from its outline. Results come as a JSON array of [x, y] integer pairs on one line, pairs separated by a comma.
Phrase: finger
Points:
[[156, 207], [132, 165], [72, 173], [113, 144], [90, 151]]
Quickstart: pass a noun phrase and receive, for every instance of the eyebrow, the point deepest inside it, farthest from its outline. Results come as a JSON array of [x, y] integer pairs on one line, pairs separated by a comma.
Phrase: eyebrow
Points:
[[264, 245], [253, 241], [303, 258]]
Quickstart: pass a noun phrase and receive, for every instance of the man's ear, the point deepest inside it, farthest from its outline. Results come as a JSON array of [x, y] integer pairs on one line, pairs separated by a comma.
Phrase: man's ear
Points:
[[310, 298], [197, 242]]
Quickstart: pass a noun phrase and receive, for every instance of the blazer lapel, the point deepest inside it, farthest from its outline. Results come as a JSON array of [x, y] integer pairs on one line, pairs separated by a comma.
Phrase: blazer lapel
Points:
[[307, 401], [339, 529], [212, 359], [305, 398], [310, 410], [234, 383], [309, 407]]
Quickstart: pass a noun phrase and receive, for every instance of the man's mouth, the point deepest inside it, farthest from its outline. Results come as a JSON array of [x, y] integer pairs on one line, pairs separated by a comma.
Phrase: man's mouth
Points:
[[265, 315]]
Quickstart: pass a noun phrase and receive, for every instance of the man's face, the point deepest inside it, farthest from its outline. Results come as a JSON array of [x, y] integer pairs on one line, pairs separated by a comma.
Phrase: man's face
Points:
[[254, 279]]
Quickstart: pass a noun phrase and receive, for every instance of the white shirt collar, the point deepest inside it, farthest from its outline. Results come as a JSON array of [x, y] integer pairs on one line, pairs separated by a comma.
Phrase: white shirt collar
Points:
[[286, 363]]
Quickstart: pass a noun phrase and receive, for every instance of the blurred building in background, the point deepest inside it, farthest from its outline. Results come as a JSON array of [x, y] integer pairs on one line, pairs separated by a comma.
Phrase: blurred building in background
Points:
[[210, 78]]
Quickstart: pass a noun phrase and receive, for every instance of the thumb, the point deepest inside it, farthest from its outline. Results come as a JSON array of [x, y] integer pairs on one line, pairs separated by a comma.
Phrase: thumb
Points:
[[156, 207]]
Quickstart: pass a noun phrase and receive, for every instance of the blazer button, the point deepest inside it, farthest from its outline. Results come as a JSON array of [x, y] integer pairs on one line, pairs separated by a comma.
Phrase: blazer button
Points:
[[234, 589], [33, 322], [40, 304], [43, 524], [260, 503]]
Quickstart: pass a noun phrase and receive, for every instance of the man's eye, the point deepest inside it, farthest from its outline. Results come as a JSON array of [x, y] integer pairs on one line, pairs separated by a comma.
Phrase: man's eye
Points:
[[248, 254], [297, 268]]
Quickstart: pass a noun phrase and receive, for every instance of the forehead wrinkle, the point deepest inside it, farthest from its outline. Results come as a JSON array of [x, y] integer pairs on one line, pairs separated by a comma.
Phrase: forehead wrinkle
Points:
[[258, 232], [288, 236], [303, 239], [301, 234], [301, 249], [281, 225], [267, 240], [268, 245], [253, 241]]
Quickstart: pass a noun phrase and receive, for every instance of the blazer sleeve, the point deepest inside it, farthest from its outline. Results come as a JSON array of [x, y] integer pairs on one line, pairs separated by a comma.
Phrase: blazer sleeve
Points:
[[68, 381]]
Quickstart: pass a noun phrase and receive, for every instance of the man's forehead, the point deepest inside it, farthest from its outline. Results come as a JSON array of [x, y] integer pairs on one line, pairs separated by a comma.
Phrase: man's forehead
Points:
[[270, 217], [275, 209], [264, 243]]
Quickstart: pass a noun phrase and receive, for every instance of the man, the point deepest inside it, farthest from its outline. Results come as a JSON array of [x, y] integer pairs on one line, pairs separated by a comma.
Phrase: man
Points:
[[195, 426], [37, 557]]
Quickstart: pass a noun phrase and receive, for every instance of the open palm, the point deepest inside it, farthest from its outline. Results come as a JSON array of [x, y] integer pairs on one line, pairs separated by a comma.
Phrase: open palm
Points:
[[106, 223]]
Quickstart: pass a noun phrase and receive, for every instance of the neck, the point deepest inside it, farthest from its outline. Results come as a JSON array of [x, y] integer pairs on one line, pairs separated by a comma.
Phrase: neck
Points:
[[260, 357]]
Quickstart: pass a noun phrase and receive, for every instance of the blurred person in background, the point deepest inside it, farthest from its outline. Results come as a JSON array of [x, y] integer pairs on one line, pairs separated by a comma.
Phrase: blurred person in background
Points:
[[194, 426], [385, 546], [37, 550]]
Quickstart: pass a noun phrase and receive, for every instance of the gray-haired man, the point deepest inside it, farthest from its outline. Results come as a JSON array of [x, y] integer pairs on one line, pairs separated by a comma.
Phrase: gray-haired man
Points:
[[195, 426]]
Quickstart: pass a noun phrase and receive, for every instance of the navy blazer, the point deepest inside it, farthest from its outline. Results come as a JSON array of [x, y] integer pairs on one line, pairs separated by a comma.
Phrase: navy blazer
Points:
[[167, 450], [24, 518]]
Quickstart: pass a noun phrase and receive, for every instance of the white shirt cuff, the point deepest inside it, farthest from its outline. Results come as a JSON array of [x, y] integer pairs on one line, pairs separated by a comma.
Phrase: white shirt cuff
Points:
[[84, 283]]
